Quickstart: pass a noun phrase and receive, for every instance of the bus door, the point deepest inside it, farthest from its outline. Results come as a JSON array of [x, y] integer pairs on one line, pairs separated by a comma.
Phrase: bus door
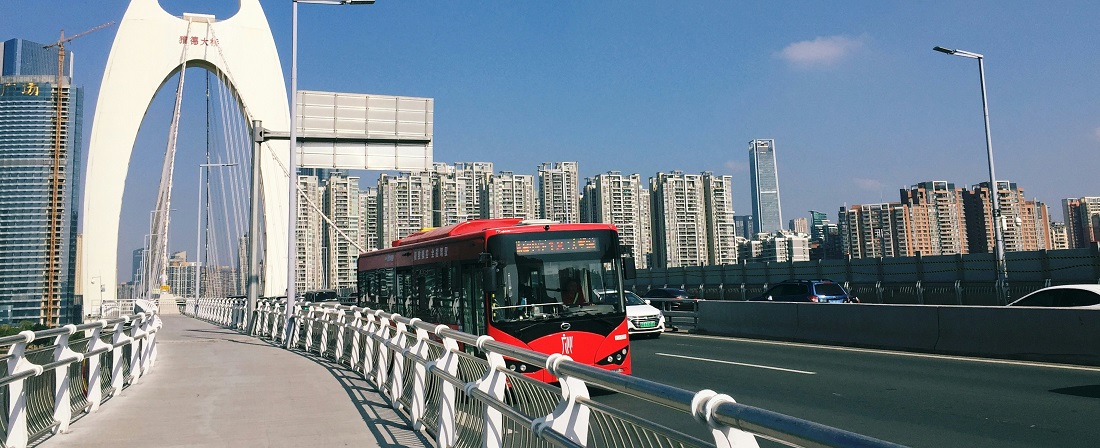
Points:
[[472, 300]]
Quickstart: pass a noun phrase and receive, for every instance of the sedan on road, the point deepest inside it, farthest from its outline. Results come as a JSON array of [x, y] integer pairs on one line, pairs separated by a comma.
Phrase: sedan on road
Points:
[[1063, 296]]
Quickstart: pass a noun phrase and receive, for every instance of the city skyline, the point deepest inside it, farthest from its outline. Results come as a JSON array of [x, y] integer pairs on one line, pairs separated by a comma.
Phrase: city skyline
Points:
[[851, 90]]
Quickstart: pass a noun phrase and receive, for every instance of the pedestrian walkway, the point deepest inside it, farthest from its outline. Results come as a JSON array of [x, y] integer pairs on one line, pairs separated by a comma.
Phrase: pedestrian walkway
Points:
[[214, 387]]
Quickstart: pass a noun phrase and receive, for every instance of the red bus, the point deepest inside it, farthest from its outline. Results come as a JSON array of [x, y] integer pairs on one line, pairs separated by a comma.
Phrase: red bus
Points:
[[537, 284]]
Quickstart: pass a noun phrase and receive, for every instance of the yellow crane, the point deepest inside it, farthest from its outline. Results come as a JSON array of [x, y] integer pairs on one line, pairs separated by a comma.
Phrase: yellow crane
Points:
[[50, 313]]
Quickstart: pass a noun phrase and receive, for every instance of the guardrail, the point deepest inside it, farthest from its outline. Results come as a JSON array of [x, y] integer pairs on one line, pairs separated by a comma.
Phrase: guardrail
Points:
[[46, 383], [458, 388], [680, 314]]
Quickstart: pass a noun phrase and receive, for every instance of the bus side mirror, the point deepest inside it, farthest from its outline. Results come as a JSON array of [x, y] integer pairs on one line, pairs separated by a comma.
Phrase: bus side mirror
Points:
[[630, 272], [489, 278]]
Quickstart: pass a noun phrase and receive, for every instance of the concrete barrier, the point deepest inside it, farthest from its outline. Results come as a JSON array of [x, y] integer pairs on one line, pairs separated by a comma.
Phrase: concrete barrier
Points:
[[1052, 335]]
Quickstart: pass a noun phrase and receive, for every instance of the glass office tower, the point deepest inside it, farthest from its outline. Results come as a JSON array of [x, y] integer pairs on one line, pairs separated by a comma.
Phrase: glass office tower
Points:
[[764, 177], [28, 139]]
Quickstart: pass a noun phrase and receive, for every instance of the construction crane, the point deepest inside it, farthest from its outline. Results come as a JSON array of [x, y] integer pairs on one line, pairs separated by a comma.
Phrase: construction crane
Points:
[[49, 309]]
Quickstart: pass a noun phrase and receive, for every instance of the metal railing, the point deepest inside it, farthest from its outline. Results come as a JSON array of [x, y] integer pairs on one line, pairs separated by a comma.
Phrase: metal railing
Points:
[[458, 388], [50, 377]]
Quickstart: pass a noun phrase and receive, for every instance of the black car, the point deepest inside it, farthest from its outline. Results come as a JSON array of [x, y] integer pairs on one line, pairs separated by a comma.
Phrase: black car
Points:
[[820, 291], [663, 295]]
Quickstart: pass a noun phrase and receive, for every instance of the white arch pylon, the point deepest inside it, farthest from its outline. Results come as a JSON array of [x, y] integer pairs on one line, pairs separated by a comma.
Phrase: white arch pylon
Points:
[[146, 53]]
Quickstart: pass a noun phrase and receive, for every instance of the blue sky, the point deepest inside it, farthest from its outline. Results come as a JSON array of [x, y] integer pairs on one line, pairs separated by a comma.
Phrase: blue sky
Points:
[[858, 103]]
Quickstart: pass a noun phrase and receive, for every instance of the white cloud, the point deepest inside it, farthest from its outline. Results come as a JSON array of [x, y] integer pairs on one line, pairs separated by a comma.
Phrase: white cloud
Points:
[[821, 52], [868, 184], [737, 166]]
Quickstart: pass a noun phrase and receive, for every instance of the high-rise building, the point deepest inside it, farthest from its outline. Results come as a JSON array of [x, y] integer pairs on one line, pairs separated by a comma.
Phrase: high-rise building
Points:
[[40, 130], [368, 206], [779, 247], [744, 227], [1025, 223], [1059, 238], [875, 230], [342, 238], [512, 196], [938, 217], [458, 192], [623, 201], [558, 199], [309, 234], [764, 182], [1082, 217], [404, 205], [679, 218], [181, 275], [799, 225], [721, 228]]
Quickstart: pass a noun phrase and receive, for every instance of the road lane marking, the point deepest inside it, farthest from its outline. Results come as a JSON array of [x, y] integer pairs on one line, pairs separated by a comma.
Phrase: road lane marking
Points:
[[898, 353], [738, 364]]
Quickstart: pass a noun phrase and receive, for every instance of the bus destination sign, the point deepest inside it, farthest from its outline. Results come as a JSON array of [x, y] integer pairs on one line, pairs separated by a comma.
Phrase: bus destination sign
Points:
[[562, 246]]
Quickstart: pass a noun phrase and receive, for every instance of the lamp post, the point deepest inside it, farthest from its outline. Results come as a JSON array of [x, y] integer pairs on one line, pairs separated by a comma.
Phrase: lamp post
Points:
[[994, 191], [198, 222], [292, 212]]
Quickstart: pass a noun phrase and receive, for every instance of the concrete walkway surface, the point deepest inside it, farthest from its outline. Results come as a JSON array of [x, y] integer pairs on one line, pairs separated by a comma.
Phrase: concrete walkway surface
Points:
[[215, 387]]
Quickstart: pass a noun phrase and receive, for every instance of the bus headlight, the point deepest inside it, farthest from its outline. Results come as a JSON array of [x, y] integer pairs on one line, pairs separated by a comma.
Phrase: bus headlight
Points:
[[615, 358]]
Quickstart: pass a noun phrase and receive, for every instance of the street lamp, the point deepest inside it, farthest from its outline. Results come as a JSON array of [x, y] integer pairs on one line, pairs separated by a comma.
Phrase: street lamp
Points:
[[994, 191], [292, 217], [198, 221]]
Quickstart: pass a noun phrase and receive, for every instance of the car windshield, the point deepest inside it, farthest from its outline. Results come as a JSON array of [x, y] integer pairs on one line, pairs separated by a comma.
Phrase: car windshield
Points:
[[612, 296], [829, 289]]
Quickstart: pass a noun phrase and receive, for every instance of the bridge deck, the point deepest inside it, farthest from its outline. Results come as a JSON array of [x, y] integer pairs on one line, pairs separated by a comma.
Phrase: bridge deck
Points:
[[215, 387]]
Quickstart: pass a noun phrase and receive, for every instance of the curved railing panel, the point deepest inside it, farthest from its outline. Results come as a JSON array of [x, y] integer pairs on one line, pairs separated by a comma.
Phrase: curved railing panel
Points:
[[51, 377], [456, 386]]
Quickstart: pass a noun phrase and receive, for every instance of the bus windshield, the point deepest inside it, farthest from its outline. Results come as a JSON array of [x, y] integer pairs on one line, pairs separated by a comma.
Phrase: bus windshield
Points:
[[555, 275]]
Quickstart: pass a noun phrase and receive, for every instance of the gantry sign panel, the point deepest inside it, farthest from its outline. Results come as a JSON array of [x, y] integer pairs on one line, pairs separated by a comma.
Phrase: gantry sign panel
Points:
[[364, 132]]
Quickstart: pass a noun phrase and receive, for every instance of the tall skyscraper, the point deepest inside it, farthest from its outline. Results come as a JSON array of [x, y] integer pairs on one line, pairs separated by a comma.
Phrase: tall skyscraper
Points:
[[623, 201], [404, 205], [764, 182], [511, 196], [938, 216], [458, 191], [40, 129], [558, 191], [679, 220]]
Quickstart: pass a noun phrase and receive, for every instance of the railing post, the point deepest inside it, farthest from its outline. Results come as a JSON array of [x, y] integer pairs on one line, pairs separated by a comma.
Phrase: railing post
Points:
[[703, 407], [96, 347], [118, 340], [419, 355], [370, 342], [570, 418], [356, 327], [382, 334], [18, 365], [493, 383], [341, 328], [397, 382], [448, 363], [62, 401], [323, 319], [136, 335]]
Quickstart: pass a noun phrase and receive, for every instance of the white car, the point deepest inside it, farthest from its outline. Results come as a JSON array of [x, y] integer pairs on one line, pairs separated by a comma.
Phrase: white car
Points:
[[1064, 296], [641, 317]]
